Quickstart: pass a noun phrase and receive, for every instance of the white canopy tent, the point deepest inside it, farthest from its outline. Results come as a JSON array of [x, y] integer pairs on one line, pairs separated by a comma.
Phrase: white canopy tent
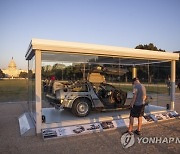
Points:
[[129, 57]]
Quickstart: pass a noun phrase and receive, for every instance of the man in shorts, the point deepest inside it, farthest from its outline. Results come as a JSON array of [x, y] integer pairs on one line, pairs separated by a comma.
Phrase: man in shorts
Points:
[[137, 105]]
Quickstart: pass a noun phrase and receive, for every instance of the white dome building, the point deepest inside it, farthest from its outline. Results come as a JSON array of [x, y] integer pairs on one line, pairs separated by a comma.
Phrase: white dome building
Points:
[[12, 71]]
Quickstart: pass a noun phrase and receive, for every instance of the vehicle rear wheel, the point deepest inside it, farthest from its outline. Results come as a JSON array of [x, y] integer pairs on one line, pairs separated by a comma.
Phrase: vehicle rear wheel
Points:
[[81, 107]]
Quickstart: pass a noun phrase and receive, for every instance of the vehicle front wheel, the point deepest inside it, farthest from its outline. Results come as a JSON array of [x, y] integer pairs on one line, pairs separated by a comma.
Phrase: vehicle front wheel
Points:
[[81, 107]]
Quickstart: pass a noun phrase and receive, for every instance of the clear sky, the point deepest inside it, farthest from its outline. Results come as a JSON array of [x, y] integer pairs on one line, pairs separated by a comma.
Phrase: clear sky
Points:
[[125, 23]]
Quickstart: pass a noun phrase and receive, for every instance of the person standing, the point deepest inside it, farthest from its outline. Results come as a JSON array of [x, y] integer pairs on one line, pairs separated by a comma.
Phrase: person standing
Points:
[[137, 106]]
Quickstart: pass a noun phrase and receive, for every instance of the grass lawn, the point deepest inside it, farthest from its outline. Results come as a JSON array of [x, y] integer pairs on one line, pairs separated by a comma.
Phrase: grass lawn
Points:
[[13, 90], [151, 88], [17, 90]]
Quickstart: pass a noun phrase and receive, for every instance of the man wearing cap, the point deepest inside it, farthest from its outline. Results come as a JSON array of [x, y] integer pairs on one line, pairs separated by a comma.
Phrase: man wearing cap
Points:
[[137, 105]]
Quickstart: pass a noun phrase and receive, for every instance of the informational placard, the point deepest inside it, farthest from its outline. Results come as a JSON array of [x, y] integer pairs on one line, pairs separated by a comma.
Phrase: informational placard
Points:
[[103, 126], [74, 130], [161, 116]]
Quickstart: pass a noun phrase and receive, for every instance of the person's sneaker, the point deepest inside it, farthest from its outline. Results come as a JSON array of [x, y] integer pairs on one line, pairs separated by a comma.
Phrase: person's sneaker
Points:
[[137, 132], [130, 133]]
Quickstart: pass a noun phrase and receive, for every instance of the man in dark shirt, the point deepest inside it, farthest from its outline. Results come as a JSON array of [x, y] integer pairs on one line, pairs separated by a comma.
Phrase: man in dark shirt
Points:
[[137, 105]]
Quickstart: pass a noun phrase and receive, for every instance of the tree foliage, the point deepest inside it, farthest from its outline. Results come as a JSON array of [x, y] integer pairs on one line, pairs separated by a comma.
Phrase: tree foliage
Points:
[[63, 73], [2, 75], [177, 70], [153, 72], [23, 75], [150, 46]]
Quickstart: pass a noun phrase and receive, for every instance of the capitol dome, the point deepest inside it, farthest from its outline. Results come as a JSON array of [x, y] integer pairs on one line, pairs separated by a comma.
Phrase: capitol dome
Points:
[[12, 71], [12, 64]]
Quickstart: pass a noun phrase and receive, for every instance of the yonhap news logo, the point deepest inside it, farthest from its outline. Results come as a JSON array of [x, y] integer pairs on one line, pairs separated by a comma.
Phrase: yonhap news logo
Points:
[[156, 140], [128, 140]]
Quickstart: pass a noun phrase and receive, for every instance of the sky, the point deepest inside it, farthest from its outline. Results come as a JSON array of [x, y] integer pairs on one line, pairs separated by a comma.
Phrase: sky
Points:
[[124, 23]]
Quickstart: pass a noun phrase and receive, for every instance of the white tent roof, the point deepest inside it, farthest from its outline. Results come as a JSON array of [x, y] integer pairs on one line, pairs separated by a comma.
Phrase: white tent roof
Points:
[[99, 50]]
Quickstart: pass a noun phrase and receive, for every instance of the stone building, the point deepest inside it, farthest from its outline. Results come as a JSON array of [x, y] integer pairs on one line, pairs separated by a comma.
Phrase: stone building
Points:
[[12, 71]]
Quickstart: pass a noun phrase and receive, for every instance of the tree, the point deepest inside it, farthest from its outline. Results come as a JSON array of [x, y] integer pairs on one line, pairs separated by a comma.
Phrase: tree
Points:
[[31, 75], [47, 71], [154, 71], [150, 46], [2, 75], [177, 70], [23, 75]]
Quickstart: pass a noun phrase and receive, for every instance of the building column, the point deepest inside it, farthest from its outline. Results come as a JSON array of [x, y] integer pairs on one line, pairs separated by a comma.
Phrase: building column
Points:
[[173, 79], [38, 91], [134, 72]]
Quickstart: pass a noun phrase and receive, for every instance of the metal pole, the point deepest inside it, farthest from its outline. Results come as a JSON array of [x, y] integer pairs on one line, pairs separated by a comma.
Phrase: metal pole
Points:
[[173, 78]]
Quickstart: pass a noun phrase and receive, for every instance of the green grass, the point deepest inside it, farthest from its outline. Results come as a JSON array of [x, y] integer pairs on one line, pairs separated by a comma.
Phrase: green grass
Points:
[[17, 90], [13, 90], [157, 88]]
